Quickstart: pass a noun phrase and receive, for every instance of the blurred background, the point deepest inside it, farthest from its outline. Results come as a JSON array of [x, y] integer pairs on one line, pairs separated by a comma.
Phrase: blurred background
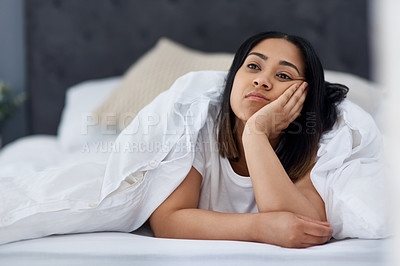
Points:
[[37, 35], [386, 58], [13, 63]]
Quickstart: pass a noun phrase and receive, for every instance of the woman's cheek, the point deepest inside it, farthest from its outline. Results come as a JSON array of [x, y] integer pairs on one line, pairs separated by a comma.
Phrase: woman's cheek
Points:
[[238, 109]]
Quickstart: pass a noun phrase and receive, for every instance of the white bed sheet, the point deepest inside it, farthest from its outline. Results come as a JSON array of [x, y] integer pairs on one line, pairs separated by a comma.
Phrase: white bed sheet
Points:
[[140, 248]]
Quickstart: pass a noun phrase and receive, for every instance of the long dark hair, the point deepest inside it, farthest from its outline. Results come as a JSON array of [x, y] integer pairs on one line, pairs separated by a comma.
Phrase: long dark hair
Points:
[[299, 142]]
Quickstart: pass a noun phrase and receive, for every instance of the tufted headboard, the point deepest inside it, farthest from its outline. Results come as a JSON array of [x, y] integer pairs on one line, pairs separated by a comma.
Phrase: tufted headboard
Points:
[[69, 41]]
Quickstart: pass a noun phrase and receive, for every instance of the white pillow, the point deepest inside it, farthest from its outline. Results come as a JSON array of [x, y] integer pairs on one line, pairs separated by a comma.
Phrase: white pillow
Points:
[[79, 128], [155, 72], [362, 92]]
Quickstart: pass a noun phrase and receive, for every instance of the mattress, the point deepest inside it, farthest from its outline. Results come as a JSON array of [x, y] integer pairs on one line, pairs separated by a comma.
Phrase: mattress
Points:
[[141, 248]]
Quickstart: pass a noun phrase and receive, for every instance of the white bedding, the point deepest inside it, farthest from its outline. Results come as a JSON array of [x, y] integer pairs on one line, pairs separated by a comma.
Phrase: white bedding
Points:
[[36, 153], [39, 152], [140, 248]]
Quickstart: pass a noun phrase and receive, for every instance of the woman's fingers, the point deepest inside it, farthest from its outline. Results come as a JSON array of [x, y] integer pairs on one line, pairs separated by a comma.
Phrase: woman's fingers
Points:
[[298, 97], [295, 104], [310, 240], [292, 230], [275, 117], [287, 95], [291, 103], [308, 219], [316, 232]]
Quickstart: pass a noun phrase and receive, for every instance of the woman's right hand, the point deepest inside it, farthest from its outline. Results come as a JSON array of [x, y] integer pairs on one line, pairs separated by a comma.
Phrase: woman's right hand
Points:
[[290, 230], [277, 115]]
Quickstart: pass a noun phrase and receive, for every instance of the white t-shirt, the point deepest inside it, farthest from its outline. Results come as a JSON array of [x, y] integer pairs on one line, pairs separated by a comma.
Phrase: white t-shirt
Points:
[[222, 189]]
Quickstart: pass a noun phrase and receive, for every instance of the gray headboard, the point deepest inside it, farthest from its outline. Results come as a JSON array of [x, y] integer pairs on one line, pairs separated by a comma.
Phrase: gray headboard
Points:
[[69, 41]]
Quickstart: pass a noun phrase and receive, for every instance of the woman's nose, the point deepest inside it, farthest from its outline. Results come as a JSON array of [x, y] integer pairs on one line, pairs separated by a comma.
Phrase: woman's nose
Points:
[[262, 82]]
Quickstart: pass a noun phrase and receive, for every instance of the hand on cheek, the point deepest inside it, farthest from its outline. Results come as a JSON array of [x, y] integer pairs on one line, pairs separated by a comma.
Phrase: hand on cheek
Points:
[[276, 116]]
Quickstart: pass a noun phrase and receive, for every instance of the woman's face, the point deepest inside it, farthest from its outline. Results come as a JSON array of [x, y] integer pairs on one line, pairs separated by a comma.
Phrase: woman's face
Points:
[[270, 68]]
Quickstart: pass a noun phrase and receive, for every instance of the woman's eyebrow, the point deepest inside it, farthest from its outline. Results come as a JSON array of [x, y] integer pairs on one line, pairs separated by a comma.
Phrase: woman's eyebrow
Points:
[[263, 57], [282, 63], [286, 63]]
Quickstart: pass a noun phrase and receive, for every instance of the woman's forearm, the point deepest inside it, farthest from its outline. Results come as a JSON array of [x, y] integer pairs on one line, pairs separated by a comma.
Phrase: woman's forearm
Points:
[[205, 224], [273, 189], [279, 228]]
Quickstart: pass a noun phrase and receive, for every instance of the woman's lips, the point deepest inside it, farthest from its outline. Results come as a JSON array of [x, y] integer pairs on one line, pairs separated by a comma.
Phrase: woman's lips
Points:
[[255, 96]]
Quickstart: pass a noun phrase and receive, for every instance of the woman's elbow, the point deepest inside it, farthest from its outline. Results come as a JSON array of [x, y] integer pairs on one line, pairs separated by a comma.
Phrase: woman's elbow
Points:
[[159, 225]]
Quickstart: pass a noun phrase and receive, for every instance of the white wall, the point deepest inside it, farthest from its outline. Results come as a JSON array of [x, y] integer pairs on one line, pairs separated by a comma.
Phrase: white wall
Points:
[[386, 35], [12, 60]]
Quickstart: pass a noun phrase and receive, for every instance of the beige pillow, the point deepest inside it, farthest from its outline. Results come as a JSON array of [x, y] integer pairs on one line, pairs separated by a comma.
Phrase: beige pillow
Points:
[[153, 73]]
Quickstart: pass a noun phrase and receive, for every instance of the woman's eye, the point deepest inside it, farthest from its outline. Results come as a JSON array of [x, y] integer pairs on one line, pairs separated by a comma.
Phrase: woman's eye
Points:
[[283, 76], [253, 66]]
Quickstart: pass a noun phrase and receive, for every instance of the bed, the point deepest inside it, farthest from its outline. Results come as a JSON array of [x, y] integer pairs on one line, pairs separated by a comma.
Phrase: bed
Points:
[[80, 71]]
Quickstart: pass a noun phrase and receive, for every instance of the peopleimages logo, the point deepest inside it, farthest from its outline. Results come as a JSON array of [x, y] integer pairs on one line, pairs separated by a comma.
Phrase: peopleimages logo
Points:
[[311, 122], [111, 123], [136, 147], [161, 125], [107, 123]]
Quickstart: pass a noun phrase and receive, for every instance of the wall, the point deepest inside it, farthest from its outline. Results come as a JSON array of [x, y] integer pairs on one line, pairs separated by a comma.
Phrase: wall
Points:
[[12, 62]]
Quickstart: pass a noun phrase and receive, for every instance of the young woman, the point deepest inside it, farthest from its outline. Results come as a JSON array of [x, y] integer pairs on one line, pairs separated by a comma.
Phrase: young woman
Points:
[[275, 108]]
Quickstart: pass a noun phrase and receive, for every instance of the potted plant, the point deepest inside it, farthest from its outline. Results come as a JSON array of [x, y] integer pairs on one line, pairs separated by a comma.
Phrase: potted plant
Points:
[[8, 104]]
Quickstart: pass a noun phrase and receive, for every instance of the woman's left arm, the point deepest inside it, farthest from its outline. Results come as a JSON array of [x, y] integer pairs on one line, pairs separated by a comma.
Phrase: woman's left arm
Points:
[[273, 189]]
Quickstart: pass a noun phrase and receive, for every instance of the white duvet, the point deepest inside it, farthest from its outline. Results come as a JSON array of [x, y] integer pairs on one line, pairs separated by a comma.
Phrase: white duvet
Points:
[[118, 192]]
